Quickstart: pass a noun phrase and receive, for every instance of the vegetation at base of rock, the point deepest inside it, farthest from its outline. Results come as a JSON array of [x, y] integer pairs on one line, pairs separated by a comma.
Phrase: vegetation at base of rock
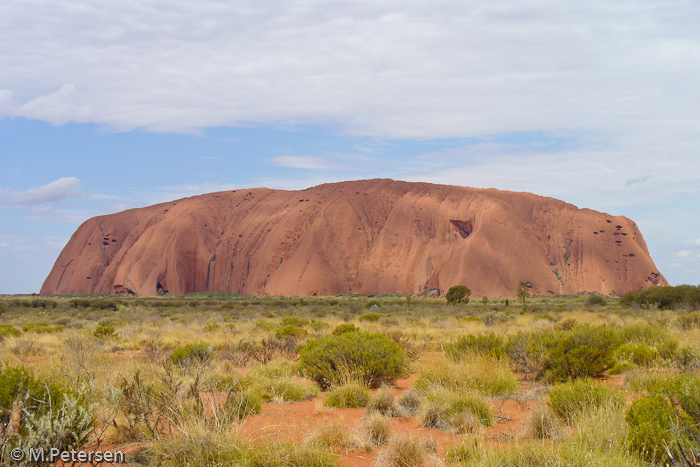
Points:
[[457, 294]]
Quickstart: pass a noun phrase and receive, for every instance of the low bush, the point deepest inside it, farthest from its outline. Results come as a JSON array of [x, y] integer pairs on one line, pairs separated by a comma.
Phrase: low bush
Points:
[[570, 400], [664, 297], [191, 354], [294, 321], [584, 351], [639, 354], [344, 328], [103, 332], [596, 300], [7, 330], [481, 344], [348, 396], [372, 359], [40, 414], [658, 433], [371, 317], [290, 330]]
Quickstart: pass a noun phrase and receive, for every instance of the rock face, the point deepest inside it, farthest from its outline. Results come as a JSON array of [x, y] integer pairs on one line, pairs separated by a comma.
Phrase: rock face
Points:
[[368, 237]]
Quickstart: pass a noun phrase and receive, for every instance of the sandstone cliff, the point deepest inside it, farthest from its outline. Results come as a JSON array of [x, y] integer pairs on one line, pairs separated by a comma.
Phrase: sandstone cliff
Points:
[[368, 237]]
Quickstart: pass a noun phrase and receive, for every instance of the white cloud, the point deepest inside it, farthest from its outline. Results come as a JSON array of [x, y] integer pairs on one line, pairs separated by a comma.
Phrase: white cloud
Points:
[[305, 162], [683, 254], [59, 107], [384, 68], [54, 192]]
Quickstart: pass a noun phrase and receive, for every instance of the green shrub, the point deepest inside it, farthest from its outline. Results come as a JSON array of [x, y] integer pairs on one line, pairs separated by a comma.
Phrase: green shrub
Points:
[[664, 297], [686, 389], [343, 328], [570, 400], [369, 317], [348, 396], [529, 351], [481, 344], [639, 354], [103, 332], [51, 416], [294, 321], [8, 330], [657, 433], [585, 351], [42, 328], [457, 294], [104, 304], [191, 354], [291, 330], [596, 300], [372, 359]]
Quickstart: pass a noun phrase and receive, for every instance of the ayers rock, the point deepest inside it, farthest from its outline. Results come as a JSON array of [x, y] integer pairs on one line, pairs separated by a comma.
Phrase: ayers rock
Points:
[[367, 237]]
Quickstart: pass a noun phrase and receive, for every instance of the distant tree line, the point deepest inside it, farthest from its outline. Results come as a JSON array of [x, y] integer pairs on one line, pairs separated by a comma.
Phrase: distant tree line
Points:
[[664, 297]]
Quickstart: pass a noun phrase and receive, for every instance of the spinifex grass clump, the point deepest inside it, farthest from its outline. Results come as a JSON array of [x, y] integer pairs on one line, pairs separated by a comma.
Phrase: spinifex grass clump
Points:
[[457, 411], [371, 359], [489, 376], [570, 400], [348, 396], [481, 344]]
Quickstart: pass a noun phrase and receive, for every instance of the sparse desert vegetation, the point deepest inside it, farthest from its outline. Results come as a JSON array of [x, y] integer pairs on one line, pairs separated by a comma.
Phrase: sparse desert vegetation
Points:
[[219, 379]]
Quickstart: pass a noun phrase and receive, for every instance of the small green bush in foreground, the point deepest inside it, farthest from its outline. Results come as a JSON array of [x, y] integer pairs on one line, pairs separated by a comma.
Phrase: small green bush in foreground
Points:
[[371, 359]]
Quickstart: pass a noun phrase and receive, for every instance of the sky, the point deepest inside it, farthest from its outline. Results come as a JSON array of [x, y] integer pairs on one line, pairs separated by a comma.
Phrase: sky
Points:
[[106, 106]]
